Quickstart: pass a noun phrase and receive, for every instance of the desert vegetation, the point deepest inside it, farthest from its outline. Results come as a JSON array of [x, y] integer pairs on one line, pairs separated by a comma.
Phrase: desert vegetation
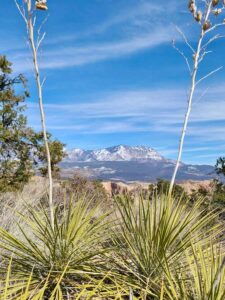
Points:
[[150, 246], [70, 239]]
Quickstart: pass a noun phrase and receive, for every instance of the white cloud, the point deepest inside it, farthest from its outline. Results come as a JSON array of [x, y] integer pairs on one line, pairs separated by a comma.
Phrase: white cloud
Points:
[[145, 29], [142, 111], [70, 56], [75, 56], [134, 16], [133, 103]]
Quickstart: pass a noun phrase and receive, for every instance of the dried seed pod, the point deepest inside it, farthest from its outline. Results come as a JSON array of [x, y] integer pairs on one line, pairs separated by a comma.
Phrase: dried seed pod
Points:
[[198, 16], [206, 25], [194, 56], [217, 12], [215, 2], [191, 2], [192, 7], [41, 4]]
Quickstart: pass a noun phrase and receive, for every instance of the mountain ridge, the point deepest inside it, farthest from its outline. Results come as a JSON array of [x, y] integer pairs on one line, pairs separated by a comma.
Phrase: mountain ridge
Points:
[[115, 153], [129, 164]]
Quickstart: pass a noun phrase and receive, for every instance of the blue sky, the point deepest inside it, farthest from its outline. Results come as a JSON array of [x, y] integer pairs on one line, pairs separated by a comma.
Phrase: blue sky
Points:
[[113, 77]]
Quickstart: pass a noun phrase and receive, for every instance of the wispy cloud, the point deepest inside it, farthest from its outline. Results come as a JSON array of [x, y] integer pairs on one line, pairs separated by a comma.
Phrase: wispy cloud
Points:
[[70, 56], [77, 56], [142, 111], [197, 151], [139, 15], [143, 28]]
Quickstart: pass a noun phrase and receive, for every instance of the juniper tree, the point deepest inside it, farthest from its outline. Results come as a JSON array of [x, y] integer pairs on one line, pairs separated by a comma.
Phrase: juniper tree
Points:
[[15, 147], [56, 150], [22, 150], [220, 166]]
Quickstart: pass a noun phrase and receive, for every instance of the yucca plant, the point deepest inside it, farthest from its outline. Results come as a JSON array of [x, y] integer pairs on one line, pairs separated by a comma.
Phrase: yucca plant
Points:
[[12, 288], [201, 276], [19, 289], [71, 253], [155, 235]]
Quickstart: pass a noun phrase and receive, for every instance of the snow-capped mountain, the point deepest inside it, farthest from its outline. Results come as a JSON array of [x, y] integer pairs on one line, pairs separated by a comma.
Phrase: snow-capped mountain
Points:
[[125, 163], [117, 153]]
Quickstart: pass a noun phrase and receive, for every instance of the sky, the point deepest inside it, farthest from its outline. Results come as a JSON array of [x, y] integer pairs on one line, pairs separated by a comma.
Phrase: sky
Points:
[[113, 77]]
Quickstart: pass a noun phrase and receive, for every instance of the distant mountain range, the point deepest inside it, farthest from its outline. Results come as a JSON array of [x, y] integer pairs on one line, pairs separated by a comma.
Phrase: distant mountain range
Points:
[[117, 153], [126, 163]]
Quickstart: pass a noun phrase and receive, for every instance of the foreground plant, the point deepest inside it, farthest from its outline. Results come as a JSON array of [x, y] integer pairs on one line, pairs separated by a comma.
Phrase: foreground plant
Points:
[[67, 257], [201, 275], [209, 16], [22, 288], [154, 236], [157, 249]]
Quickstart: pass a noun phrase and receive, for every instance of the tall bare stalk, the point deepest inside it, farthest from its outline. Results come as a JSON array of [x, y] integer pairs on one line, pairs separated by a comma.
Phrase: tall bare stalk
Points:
[[27, 13], [203, 19]]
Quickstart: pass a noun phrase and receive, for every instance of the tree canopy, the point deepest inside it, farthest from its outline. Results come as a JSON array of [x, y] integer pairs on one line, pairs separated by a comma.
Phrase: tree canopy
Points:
[[220, 166], [21, 148]]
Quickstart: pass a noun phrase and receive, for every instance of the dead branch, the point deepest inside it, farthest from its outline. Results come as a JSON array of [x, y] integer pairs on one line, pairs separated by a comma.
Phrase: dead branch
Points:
[[208, 75], [183, 55]]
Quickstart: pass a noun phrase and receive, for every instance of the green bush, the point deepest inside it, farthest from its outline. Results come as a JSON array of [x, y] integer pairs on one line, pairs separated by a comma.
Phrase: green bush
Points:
[[162, 187]]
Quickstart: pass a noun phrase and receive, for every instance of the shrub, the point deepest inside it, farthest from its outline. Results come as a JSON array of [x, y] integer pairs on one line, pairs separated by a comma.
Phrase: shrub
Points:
[[162, 187], [63, 258], [92, 189], [154, 236]]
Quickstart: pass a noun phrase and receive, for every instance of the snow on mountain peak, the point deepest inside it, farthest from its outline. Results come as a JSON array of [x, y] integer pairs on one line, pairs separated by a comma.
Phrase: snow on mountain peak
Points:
[[116, 153]]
